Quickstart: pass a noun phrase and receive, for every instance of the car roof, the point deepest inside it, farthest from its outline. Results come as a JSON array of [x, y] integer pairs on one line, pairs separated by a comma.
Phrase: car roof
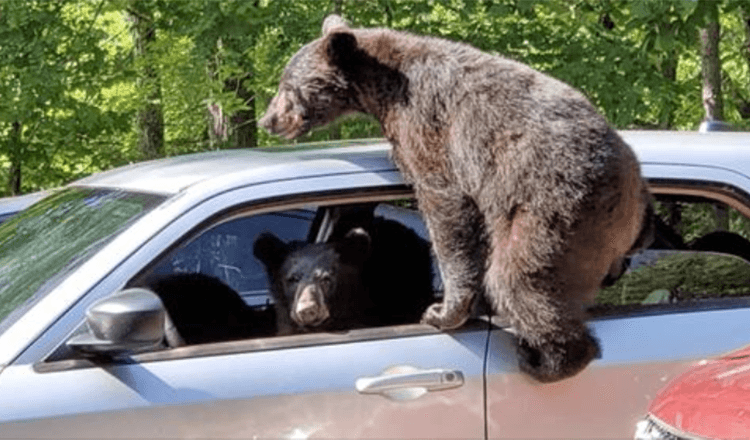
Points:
[[245, 166], [724, 150], [11, 205], [231, 168]]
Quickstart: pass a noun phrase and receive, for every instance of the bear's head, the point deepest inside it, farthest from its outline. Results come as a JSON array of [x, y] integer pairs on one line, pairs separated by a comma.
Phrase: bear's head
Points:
[[315, 285], [330, 77], [313, 90]]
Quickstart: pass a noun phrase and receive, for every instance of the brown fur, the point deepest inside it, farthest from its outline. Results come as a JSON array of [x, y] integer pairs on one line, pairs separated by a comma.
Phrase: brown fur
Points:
[[529, 196]]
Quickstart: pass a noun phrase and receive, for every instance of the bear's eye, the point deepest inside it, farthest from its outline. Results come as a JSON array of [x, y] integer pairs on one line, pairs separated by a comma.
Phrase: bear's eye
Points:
[[293, 278], [325, 281]]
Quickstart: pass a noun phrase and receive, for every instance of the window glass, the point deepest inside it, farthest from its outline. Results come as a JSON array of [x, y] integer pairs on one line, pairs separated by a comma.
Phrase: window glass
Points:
[[675, 276], [700, 252], [42, 245], [226, 251]]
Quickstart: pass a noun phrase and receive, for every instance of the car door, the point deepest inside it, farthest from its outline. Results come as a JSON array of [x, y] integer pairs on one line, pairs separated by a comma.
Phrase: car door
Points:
[[683, 301], [405, 381]]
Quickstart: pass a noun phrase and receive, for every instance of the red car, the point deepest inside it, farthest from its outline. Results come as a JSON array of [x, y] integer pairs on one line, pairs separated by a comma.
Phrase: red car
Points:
[[711, 400]]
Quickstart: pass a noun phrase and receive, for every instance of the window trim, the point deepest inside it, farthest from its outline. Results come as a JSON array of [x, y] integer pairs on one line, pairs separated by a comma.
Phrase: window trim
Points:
[[259, 345], [256, 207], [730, 195], [718, 191]]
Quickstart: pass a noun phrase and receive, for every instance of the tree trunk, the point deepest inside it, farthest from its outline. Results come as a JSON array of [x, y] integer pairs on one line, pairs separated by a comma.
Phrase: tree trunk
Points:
[[15, 156], [721, 213], [243, 125], [150, 117], [711, 65], [745, 16], [337, 6], [713, 102], [669, 72]]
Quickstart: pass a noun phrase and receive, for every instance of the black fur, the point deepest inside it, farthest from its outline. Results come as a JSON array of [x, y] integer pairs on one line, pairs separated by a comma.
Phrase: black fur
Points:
[[357, 279]]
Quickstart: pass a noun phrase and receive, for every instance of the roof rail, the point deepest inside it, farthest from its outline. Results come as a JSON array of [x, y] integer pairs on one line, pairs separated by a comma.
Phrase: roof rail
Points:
[[712, 125]]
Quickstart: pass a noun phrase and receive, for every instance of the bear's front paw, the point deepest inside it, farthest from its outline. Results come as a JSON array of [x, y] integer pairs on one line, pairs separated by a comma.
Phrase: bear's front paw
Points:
[[444, 318], [555, 361]]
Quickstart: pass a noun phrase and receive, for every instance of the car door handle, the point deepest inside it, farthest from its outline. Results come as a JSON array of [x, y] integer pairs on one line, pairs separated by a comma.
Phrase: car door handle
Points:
[[424, 380]]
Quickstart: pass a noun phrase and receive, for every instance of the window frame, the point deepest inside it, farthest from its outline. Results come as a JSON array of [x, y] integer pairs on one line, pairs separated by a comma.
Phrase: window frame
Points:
[[49, 361], [712, 191], [331, 195]]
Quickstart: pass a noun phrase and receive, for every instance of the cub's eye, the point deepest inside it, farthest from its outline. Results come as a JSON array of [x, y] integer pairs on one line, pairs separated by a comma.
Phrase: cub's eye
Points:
[[293, 278], [325, 282]]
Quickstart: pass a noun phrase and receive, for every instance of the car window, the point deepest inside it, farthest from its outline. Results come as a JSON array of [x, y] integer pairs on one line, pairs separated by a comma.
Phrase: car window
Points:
[[43, 244], [658, 277], [226, 251], [700, 252]]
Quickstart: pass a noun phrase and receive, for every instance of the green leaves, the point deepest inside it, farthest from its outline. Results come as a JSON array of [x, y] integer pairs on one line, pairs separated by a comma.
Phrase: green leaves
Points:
[[69, 77]]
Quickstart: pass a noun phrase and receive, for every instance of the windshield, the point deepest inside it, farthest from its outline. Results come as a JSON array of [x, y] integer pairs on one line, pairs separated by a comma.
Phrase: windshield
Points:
[[45, 243]]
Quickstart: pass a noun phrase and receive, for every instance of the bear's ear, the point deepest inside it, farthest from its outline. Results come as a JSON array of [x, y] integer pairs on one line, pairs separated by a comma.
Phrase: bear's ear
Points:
[[356, 246], [332, 22], [342, 49], [270, 250]]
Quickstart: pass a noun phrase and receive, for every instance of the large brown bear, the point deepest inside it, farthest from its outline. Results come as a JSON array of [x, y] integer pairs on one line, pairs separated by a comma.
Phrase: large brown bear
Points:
[[528, 194]]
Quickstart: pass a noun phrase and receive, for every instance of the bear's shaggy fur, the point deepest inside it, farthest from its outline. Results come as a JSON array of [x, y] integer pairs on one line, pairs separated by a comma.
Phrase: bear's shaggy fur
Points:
[[530, 197]]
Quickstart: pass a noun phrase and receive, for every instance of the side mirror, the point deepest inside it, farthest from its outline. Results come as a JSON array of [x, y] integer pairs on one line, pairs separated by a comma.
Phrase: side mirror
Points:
[[131, 320]]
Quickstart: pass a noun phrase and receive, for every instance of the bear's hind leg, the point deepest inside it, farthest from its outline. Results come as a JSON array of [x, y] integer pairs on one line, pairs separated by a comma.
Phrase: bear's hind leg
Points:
[[524, 285], [458, 237]]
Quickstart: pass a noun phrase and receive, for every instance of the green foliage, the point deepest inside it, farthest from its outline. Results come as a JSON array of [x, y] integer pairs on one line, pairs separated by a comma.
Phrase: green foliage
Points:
[[51, 78], [685, 276], [70, 81]]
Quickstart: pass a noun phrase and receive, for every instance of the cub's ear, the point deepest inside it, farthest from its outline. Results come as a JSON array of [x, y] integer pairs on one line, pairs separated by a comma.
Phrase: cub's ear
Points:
[[342, 49], [270, 250], [334, 21], [356, 246]]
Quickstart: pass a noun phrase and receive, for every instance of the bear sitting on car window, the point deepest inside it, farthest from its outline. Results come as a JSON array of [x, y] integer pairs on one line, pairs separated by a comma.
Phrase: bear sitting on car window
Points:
[[202, 309], [370, 272]]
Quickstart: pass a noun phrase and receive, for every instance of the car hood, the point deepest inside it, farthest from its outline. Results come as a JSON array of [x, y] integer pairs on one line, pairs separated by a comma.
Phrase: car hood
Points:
[[711, 400]]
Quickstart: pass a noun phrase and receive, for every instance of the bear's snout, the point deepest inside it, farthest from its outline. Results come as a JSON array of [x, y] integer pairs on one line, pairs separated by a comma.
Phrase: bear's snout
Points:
[[310, 310], [269, 121]]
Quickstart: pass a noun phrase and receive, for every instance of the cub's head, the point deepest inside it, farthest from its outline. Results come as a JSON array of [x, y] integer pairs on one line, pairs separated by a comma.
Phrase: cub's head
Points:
[[314, 283], [315, 88]]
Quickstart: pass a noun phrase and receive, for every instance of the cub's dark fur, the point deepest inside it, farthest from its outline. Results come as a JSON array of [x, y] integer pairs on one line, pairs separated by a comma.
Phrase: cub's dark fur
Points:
[[202, 309], [530, 197], [359, 278]]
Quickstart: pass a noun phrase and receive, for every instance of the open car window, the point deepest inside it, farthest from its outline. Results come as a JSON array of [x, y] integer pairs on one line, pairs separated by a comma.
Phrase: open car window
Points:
[[699, 258], [209, 267]]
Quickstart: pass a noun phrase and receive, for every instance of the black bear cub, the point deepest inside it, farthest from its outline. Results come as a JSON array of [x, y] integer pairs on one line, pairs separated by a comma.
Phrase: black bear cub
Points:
[[368, 276], [203, 309]]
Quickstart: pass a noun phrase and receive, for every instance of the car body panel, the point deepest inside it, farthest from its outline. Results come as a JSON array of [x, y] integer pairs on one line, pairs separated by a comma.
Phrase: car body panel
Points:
[[211, 172], [10, 206], [271, 394], [608, 398], [710, 150]]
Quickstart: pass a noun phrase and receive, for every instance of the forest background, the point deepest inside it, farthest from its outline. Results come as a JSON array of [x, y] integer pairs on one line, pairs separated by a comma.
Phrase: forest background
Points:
[[86, 85]]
